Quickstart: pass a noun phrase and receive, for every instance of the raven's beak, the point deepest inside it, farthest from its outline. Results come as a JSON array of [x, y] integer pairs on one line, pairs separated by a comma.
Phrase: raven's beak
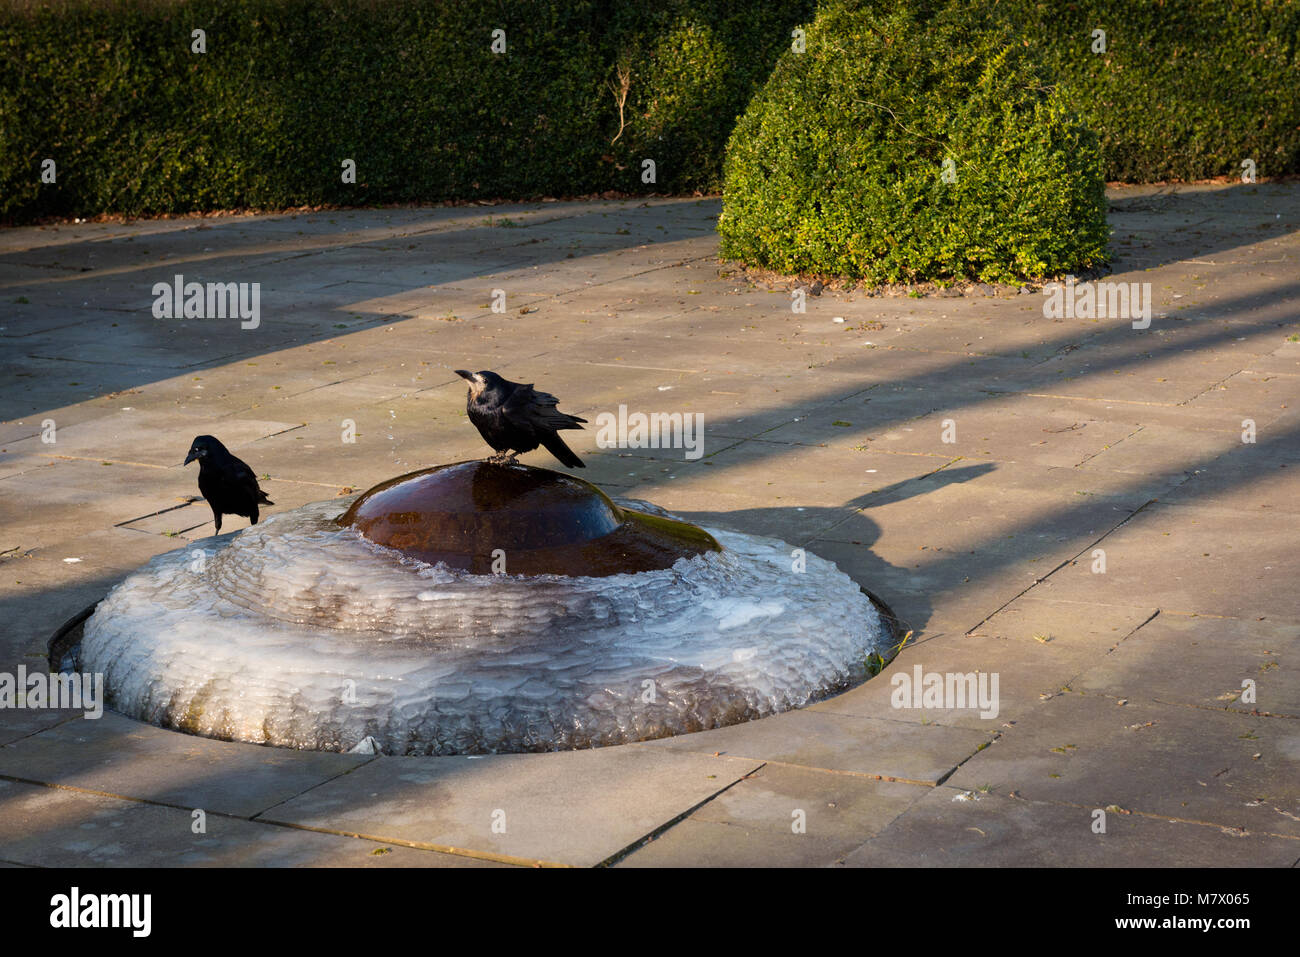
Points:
[[190, 458], [465, 375]]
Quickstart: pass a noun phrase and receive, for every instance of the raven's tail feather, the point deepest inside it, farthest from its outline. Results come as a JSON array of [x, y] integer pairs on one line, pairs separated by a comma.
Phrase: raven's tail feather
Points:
[[555, 445], [262, 499]]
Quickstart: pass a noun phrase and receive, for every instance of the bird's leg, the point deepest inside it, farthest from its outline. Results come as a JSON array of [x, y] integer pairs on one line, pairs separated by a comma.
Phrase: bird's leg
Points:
[[216, 516]]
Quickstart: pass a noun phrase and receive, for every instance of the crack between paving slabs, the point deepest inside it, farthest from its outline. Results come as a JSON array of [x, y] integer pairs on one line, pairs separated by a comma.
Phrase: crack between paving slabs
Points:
[[1066, 687], [645, 839], [152, 465], [997, 735], [103, 362], [96, 458], [161, 511], [1211, 388], [71, 717], [1107, 448], [1038, 581]]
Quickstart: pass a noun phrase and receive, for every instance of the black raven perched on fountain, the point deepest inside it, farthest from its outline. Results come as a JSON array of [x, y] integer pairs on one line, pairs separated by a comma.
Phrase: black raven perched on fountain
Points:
[[227, 482], [514, 418]]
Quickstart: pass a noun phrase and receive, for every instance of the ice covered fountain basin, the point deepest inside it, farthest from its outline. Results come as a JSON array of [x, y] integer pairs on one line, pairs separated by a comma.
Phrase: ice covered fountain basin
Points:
[[304, 632]]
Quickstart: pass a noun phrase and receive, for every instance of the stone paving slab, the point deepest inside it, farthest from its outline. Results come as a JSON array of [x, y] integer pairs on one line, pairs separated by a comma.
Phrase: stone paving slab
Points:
[[877, 417], [1260, 396], [78, 486], [693, 843], [1029, 670], [21, 241], [810, 479], [192, 521], [969, 327], [951, 827], [732, 405], [780, 816], [1041, 431], [1072, 435], [1192, 764], [39, 595], [57, 827], [19, 723], [575, 807], [943, 555], [1262, 478], [1190, 560], [872, 747], [18, 464], [50, 386], [1284, 360], [917, 369], [40, 591], [1162, 451], [22, 327], [143, 437], [1151, 378], [1096, 627], [68, 561], [1203, 662], [742, 512], [117, 756]]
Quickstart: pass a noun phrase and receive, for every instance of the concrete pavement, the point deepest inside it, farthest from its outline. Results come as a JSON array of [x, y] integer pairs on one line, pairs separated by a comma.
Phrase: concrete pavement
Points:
[[1072, 504]]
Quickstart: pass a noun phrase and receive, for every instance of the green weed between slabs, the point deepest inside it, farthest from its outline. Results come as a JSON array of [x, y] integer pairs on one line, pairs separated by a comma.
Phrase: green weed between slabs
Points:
[[876, 662]]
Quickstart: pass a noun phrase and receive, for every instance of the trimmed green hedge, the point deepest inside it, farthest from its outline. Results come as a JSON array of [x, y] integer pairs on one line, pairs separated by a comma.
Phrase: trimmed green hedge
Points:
[[913, 144], [138, 124], [1186, 89], [409, 89]]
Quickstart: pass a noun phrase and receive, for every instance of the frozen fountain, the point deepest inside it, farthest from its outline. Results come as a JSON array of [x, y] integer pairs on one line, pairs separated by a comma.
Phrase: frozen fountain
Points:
[[477, 608]]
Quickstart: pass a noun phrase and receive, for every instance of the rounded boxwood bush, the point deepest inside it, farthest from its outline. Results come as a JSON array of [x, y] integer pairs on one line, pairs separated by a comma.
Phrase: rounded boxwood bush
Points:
[[915, 144]]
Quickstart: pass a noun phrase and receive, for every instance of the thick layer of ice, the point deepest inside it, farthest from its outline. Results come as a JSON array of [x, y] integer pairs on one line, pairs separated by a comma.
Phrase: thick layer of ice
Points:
[[300, 633]]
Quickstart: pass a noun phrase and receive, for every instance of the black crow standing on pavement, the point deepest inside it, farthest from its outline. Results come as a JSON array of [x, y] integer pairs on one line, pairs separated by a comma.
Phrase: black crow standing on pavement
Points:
[[226, 482], [513, 416]]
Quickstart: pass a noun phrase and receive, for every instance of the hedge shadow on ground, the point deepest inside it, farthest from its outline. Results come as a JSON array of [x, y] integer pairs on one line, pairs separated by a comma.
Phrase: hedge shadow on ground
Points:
[[255, 255], [204, 774], [235, 262]]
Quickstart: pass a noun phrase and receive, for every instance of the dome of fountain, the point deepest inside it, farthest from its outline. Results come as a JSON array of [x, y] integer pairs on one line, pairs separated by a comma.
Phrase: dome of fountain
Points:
[[537, 521]]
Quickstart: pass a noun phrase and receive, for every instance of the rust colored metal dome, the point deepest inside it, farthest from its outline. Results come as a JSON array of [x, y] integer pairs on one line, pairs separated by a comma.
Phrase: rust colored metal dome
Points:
[[544, 522]]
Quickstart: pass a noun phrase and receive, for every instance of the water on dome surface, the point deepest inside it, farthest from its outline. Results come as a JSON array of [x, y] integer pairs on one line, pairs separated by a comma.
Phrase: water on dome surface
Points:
[[300, 633]]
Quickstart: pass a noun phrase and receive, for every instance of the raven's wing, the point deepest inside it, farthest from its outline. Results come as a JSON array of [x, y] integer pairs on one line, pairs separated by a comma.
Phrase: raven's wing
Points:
[[535, 410], [242, 476]]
